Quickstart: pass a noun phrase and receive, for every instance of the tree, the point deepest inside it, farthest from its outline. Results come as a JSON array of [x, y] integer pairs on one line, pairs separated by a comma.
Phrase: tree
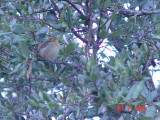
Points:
[[80, 83]]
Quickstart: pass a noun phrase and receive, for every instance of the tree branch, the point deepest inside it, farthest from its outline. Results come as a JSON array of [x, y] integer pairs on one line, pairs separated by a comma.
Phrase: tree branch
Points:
[[51, 25], [79, 36], [56, 7], [73, 5], [139, 13], [78, 67]]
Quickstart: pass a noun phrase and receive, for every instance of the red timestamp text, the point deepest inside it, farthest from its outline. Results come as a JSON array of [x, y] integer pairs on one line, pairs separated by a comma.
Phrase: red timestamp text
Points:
[[130, 108]]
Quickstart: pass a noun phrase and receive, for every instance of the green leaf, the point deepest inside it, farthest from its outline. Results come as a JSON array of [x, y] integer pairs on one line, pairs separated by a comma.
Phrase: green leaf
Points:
[[99, 2], [68, 17], [151, 112], [19, 29], [158, 44], [5, 33], [119, 62], [16, 68], [116, 33], [33, 104], [92, 112], [154, 94], [103, 34], [157, 116], [69, 48], [62, 16], [34, 98], [78, 112], [146, 47], [83, 59], [61, 52], [43, 30], [47, 97], [144, 118], [73, 97], [113, 16], [157, 103], [1, 11], [30, 10], [94, 77], [110, 67], [22, 7], [136, 103], [112, 61], [44, 115], [90, 64], [135, 47], [41, 95], [64, 78], [138, 90], [51, 105], [108, 96], [124, 91], [108, 24], [9, 5], [24, 49], [5, 24], [107, 4], [52, 16], [22, 71], [131, 91]]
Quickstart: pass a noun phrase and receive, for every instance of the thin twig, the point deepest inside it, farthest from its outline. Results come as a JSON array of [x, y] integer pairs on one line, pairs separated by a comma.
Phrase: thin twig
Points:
[[99, 24], [67, 99], [90, 28], [149, 59]]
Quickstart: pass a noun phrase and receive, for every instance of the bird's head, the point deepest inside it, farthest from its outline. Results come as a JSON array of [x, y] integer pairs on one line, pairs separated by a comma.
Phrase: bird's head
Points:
[[54, 40]]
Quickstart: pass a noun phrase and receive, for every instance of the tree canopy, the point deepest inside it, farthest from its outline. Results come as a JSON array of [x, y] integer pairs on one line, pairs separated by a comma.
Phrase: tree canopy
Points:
[[83, 82]]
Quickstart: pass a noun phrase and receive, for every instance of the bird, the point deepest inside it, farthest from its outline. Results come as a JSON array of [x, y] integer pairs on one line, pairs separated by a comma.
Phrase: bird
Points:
[[49, 49]]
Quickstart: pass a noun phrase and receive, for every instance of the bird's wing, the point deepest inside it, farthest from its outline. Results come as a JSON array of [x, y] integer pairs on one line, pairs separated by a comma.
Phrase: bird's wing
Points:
[[43, 45]]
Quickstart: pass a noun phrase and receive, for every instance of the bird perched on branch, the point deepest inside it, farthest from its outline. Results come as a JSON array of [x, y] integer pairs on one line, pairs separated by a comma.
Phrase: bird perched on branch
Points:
[[49, 49]]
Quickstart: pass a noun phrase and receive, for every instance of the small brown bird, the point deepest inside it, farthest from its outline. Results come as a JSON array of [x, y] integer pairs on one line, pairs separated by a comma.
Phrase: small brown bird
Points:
[[49, 49]]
